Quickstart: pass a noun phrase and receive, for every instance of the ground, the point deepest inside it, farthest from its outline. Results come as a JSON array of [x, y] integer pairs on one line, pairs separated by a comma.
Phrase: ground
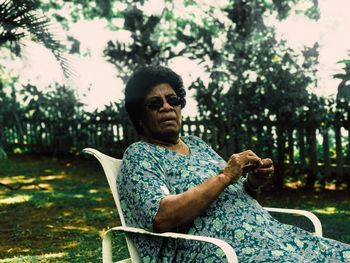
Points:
[[62, 206]]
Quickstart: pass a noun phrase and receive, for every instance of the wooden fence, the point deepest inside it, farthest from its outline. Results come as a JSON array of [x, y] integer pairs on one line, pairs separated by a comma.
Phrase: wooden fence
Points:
[[316, 151]]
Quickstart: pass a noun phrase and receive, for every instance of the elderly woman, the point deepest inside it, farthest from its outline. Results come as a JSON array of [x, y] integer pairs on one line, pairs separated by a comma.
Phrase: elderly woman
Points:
[[173, 183]]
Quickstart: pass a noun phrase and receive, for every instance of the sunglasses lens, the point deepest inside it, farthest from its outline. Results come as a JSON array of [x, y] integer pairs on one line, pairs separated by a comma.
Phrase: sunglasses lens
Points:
[[173, 101], [157, 103]]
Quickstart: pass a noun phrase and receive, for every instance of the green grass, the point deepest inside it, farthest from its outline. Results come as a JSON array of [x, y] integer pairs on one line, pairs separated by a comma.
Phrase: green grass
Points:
[[63, 207], [59, 213], [331, 207]]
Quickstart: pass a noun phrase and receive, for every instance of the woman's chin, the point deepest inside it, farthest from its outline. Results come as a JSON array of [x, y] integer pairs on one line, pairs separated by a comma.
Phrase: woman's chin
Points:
[[169, 133], [169, 126]]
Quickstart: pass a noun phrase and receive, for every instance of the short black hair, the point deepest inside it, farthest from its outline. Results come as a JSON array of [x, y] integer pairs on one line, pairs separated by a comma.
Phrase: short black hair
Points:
[[141, 82]]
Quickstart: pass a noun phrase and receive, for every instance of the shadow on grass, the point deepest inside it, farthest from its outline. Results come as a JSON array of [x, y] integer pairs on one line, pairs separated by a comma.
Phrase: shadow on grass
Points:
[[332, 207], [58, 215]]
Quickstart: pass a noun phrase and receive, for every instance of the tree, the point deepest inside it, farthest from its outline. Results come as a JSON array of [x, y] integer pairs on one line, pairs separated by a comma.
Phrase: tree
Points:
[[56, 110], [255, 79], [22, 18], [19, 19], [144, 50], [257, 85], [342, 111]]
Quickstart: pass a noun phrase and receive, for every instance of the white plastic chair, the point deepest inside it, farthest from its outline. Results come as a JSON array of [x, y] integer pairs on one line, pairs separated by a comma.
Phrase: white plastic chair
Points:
[[111, 167]]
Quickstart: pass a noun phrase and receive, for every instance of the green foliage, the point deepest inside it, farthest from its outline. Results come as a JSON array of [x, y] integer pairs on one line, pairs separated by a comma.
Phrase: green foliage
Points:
[[57, 103], [17, 16], [54, 122], [22, 18], [342, 111], [79, 9], [233, 47], [344, 86], [10, 111], [315, 111], [256, 81], [55, 110], [143, 49], [253, 77]]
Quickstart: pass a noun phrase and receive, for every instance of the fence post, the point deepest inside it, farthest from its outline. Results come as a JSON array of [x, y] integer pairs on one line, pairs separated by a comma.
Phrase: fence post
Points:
[[290, 147], [339, 153], [301, 142], [270, 142], [348, 149], [347, 161], [237, 139], [205, 132], [197, 131], [326, 159], [231, 141], [312, 152], [280, 157], [214, 138], [3, 154]]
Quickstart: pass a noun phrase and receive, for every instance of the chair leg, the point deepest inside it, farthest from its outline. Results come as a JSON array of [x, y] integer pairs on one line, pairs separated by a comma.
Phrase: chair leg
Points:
[[107, 248]]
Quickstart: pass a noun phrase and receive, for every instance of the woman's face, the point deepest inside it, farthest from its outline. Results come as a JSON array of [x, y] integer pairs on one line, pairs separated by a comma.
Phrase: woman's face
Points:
[[162, 123]]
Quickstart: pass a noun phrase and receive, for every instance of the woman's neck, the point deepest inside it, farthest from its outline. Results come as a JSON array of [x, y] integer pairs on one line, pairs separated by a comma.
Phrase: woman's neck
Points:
[[177, 145], [163, 143]]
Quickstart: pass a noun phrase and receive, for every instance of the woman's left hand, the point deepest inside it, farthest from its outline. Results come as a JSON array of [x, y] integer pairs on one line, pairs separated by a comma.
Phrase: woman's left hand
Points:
[[262, 174]]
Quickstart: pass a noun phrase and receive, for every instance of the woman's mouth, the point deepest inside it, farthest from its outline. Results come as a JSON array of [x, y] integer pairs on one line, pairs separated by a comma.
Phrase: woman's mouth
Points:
[[167, 121]]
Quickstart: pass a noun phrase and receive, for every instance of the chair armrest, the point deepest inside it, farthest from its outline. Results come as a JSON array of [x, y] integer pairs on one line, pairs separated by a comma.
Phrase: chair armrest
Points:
[[227, 249], [312, 217]]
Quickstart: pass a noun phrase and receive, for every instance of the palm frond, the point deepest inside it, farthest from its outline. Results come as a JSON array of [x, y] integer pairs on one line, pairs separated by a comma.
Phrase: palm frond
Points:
[[21, 18]]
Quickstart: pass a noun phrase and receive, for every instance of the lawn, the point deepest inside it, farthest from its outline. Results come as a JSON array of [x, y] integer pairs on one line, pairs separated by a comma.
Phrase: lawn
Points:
[[59, 213], [62, 206]]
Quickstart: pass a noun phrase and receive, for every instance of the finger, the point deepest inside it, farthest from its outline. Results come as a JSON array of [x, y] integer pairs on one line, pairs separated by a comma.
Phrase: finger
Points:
[[265, 171], [248, 153], [245, 158], [251, 163], [253, 160], [267, 162]]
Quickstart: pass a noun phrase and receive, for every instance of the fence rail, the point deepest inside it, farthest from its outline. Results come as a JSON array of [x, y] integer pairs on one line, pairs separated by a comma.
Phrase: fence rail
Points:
[[316, 151]]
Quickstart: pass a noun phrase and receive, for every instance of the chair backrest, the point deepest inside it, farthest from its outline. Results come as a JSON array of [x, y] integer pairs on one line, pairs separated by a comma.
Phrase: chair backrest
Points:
[[111, 167]]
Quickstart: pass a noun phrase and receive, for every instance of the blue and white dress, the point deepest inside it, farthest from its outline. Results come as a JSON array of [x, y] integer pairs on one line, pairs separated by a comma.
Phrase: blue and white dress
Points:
[[150, 172]]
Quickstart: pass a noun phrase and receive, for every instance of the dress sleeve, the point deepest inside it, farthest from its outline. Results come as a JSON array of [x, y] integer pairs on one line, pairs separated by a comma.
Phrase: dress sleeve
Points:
[[142, 185], [242, 181], [207, 148]]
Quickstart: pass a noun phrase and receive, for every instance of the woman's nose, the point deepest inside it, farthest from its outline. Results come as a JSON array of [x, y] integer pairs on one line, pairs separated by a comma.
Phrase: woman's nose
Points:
[[166, 105]]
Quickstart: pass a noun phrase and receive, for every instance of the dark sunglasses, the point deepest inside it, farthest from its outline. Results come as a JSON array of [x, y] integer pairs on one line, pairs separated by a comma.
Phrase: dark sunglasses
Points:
[[157, 102]]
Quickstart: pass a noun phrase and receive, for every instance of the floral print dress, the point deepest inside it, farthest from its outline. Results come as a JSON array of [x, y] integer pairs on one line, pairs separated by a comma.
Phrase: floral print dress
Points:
[[150, 172]]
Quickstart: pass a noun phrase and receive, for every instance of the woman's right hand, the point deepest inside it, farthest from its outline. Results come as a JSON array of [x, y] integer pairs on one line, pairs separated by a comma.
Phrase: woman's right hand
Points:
[[234, 167]]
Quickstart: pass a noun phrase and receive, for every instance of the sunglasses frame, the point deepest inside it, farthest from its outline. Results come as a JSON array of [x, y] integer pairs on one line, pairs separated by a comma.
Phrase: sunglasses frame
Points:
[[156, 103]]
